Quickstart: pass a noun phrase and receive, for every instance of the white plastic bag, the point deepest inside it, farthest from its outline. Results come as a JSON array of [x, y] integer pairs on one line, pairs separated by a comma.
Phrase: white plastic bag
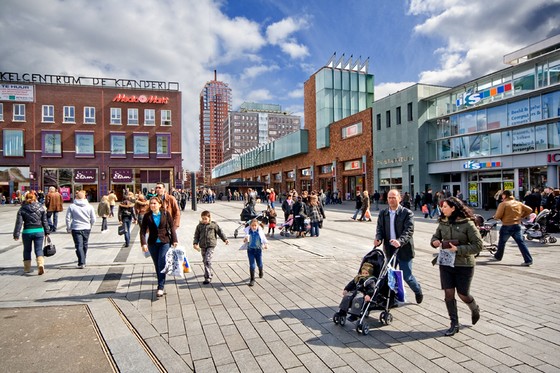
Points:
[[174, 260], [446, 257]]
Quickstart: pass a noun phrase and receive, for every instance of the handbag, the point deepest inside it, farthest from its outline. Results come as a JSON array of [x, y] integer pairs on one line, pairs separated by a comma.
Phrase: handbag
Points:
[[425, 209], [121, 230], [49, 249]]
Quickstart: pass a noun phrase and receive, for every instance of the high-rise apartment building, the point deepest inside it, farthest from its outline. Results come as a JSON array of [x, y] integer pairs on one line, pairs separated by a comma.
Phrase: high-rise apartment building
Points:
[[255, 124], [215, 103]]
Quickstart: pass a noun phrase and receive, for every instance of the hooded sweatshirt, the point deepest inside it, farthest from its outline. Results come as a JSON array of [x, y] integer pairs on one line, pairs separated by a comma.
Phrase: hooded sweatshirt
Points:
[[80, 216]]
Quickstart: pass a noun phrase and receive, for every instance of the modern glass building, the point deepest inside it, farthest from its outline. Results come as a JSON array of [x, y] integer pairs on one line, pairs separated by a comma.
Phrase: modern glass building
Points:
[[500, 131]]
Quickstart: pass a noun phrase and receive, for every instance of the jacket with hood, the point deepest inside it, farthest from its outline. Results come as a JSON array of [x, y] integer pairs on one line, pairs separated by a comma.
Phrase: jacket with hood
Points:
[[80, 216], [31, 215]]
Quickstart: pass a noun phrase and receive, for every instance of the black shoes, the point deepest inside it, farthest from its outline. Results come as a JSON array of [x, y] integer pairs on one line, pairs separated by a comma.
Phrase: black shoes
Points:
[[454, 329], [419, 298], [206, 281]]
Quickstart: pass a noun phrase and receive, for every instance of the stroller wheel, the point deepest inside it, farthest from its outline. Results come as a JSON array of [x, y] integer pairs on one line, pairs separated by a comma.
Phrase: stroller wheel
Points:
[[529, 238], [386, 318], [342, 320], [358, 327], [365, 328], [336, 318], [542, 240], [552, 239], [281, 233]]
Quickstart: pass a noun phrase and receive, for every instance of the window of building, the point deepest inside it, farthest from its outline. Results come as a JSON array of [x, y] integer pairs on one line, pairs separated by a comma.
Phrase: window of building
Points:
[[1, 112], [141, 145], [149, 117], [166, 117], [518, 112], [378, 121], [69, 114], [388, 118], [118, 145], [399, 119], [84, 144], [13, 143], [132, 117], [51, 143], [163, 145], [48, 114], [116, 116], [89, 115], [19, 113], [409, 112]]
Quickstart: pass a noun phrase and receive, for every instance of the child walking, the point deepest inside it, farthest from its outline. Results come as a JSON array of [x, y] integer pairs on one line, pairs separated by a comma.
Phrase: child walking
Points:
[[271, 215], [254, 236], [205, 240]]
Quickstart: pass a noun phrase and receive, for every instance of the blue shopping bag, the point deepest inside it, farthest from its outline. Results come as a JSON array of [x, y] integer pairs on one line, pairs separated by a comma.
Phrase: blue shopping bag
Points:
[[396, 283]]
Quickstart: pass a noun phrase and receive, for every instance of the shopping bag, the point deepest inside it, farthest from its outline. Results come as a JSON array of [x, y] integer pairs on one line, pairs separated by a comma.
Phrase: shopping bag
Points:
[[446, 258], [367, 215], [244, 246], [48, 249], [186, 265], [425, 209], [174, 259], [396, 283], [122, 229]]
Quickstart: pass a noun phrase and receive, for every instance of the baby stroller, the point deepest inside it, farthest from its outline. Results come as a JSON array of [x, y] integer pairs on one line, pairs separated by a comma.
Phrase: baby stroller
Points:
[[538, 228], [383, 297], [248, 214], [286, 227], [488, 232]]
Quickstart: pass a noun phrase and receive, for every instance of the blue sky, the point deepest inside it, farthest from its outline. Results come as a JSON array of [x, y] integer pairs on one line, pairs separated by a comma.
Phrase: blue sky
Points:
[[267, 49]]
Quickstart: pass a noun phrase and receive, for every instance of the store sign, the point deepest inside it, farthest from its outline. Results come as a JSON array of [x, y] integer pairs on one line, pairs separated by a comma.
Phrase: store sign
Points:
[[352, 165], [82, 175], [472, 165], [471, 98], [142, 99], [16, 92], [553, 158], [121, 175]]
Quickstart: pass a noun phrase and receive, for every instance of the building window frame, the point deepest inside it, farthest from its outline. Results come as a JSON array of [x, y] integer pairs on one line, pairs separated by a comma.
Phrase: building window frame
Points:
[[18, 113], [410, 117], [118, 144], [13, 143], [165, 117], [116, 116], [51, 144], [89, 115], [132, 117], [141, 147], [47, 113], [85, 144], [163, 145], [378, 121], [398, 115], [69, 114], [388, 119], [149, 117]]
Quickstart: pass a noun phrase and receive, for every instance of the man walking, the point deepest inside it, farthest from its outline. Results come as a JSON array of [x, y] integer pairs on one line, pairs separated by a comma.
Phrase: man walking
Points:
[[53, 203], [80, 217], [395, 227], [376, 197], [169, 204], [510, 212]]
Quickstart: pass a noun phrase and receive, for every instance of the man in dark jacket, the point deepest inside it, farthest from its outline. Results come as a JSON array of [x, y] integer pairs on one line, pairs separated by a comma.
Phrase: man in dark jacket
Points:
[[395, 227], [358, 205]]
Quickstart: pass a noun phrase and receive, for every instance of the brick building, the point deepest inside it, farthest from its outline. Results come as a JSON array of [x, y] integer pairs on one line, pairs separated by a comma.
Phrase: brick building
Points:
[[94, 134]]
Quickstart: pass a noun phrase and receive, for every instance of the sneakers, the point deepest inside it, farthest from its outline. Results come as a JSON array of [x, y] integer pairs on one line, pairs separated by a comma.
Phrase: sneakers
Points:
[[81, 266], [159, 293], [206, 281], [526, 264], [419, 298]]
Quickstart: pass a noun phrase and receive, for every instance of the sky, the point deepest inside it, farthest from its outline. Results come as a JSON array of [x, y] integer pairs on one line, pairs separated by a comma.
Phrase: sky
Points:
[[266, 49]]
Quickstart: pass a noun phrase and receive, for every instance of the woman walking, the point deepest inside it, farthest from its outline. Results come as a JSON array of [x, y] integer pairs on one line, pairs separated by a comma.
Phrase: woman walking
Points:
[[161, 234], [457, 235], [366, 214], [33, 216], [126, 217], [103, 211]]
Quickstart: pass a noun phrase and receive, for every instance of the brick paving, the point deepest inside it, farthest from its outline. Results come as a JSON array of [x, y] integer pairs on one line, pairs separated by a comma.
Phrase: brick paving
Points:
[[283, 323]]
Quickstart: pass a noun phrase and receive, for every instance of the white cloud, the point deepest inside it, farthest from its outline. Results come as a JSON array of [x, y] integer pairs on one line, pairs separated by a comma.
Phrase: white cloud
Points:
[[296, 93], [294, 50], [258, 95], [254, 71], [279, 33], [386, 89]]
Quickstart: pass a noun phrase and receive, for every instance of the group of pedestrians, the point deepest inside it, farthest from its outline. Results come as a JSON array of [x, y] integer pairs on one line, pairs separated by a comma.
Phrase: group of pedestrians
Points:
[[300, 207]]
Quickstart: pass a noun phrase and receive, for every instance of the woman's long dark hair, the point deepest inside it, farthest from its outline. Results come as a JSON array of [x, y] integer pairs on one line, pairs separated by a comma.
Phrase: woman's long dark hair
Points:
[[461, 210]]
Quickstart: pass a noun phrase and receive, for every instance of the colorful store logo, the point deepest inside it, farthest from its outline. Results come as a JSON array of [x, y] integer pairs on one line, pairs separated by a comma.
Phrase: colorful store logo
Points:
[[469, 99], [472, 165]]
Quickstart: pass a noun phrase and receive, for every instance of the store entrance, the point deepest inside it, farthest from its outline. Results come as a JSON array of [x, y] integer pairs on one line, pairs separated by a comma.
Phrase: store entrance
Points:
[[488, 192]]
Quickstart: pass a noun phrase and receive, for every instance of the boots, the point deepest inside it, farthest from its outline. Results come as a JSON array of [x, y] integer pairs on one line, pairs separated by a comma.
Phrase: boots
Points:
[[452, 310], [475, 311], [40, 265], [252, 281], [27, 266], [261, 273]]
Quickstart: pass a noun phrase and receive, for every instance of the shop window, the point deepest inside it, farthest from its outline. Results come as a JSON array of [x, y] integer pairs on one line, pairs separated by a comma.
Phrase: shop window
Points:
[[481, 120], [163, 145], [19, 113], [48, 114], [551, 105], [554, 135], [118, 145], [84, 144], [495, 143], [116, 117], [1, 112], [166, 117], [541, 134], [89, 115], [132, 117], [523, 140], [149, 117], [479, 145], [69, 114], [51, 143], [518, 112], [141, 145], [13, 143]]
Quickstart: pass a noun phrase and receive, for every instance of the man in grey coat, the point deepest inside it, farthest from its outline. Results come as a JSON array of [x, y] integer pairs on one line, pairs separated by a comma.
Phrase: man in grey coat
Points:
[[395, 227]]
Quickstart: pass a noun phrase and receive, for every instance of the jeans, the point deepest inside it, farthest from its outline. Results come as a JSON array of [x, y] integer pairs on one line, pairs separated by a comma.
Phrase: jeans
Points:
[[507, 231], [126, 223], [315, 229], [356, 213], [52, 218], [255, 255], [406, 267], [32, 239], [81, 238], [158, 251], [103, 224]]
